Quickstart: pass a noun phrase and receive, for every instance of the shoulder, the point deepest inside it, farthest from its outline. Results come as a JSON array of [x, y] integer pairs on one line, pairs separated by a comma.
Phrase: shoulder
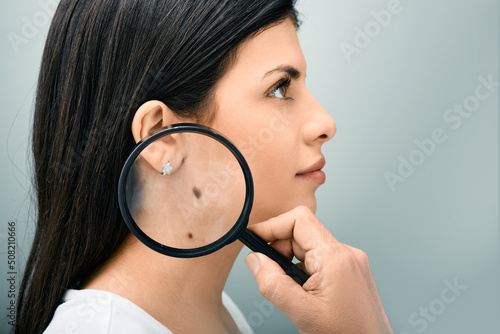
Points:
[[96, 311]]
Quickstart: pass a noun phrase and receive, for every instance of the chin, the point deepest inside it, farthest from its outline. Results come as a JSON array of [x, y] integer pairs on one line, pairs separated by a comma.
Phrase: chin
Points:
[[313, 207], [310, 203], [269, 208]]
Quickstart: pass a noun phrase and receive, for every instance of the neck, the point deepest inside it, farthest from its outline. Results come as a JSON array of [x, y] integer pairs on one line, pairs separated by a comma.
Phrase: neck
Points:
[[182, 294]]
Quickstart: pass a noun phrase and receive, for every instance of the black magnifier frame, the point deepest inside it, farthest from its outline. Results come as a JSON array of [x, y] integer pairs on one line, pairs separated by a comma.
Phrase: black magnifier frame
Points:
[[226, 239], [239, 229]]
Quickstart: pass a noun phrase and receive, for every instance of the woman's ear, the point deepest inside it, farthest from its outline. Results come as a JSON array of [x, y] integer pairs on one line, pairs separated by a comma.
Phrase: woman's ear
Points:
[[150, 117]]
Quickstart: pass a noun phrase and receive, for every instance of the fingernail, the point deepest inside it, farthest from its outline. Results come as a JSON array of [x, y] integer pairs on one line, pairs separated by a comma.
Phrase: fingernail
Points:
[[253, 263]]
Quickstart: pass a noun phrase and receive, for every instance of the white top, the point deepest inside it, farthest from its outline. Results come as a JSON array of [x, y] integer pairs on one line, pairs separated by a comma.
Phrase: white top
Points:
[[96, 311]]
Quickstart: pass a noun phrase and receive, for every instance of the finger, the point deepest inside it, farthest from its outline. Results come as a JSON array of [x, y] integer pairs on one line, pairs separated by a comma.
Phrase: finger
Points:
[[284, 247], [301, 266], [299, 224], [277, 287], [289, 248]]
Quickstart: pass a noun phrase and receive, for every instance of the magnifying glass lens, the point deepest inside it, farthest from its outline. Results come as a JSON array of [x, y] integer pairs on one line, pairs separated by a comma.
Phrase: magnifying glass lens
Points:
[[185, 190]]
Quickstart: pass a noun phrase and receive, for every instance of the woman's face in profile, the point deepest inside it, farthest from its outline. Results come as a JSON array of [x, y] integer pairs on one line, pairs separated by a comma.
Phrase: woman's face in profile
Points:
[[279, 130]]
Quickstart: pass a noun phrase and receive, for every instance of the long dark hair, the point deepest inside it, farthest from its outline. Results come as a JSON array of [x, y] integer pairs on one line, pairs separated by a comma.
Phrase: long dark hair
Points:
[[101, 61]]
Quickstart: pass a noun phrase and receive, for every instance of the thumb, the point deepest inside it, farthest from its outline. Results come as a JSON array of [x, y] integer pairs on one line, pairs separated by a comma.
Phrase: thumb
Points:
[[276, 286]]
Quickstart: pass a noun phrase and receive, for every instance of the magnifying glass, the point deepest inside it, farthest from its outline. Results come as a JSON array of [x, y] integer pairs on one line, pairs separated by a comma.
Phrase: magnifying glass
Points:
[[186, 191]]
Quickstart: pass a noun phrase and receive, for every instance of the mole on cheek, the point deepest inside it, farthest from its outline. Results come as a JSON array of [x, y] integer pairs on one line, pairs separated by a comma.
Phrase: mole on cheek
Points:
[[196, 192], [190, 235]]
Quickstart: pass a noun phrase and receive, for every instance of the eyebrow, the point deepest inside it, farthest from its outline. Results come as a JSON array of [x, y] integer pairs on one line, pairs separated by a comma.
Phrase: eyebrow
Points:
[[292, 71]]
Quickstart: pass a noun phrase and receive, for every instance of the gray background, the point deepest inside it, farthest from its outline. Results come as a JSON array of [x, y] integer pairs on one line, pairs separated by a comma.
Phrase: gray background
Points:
[[441, 224]]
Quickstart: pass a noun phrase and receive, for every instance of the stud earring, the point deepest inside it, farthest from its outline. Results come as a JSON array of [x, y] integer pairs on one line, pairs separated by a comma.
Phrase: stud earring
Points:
[[167, 169]]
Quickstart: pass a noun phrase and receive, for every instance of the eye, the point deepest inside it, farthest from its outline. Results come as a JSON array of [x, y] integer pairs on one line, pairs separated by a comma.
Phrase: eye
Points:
[[280, 89]]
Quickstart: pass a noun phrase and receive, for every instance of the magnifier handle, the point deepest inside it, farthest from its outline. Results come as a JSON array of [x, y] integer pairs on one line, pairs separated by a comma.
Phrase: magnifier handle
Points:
[[256, 244]]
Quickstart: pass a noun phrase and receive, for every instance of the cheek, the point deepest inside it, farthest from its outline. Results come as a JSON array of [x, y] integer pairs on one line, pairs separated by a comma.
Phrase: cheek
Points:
[[273, 172], [269, 142]]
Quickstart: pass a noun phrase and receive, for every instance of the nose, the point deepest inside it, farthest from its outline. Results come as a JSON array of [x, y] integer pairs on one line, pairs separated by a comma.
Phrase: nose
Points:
[[320, 126]]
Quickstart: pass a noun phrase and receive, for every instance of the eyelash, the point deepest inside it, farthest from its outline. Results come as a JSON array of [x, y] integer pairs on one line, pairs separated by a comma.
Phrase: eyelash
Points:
[[284, 82]]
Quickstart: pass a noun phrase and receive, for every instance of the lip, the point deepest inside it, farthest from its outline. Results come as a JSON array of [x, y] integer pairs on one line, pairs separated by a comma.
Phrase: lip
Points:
[[314, 172]]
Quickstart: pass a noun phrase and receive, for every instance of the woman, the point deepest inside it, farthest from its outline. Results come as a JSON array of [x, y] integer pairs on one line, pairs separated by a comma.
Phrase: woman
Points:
[[112, 72]]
